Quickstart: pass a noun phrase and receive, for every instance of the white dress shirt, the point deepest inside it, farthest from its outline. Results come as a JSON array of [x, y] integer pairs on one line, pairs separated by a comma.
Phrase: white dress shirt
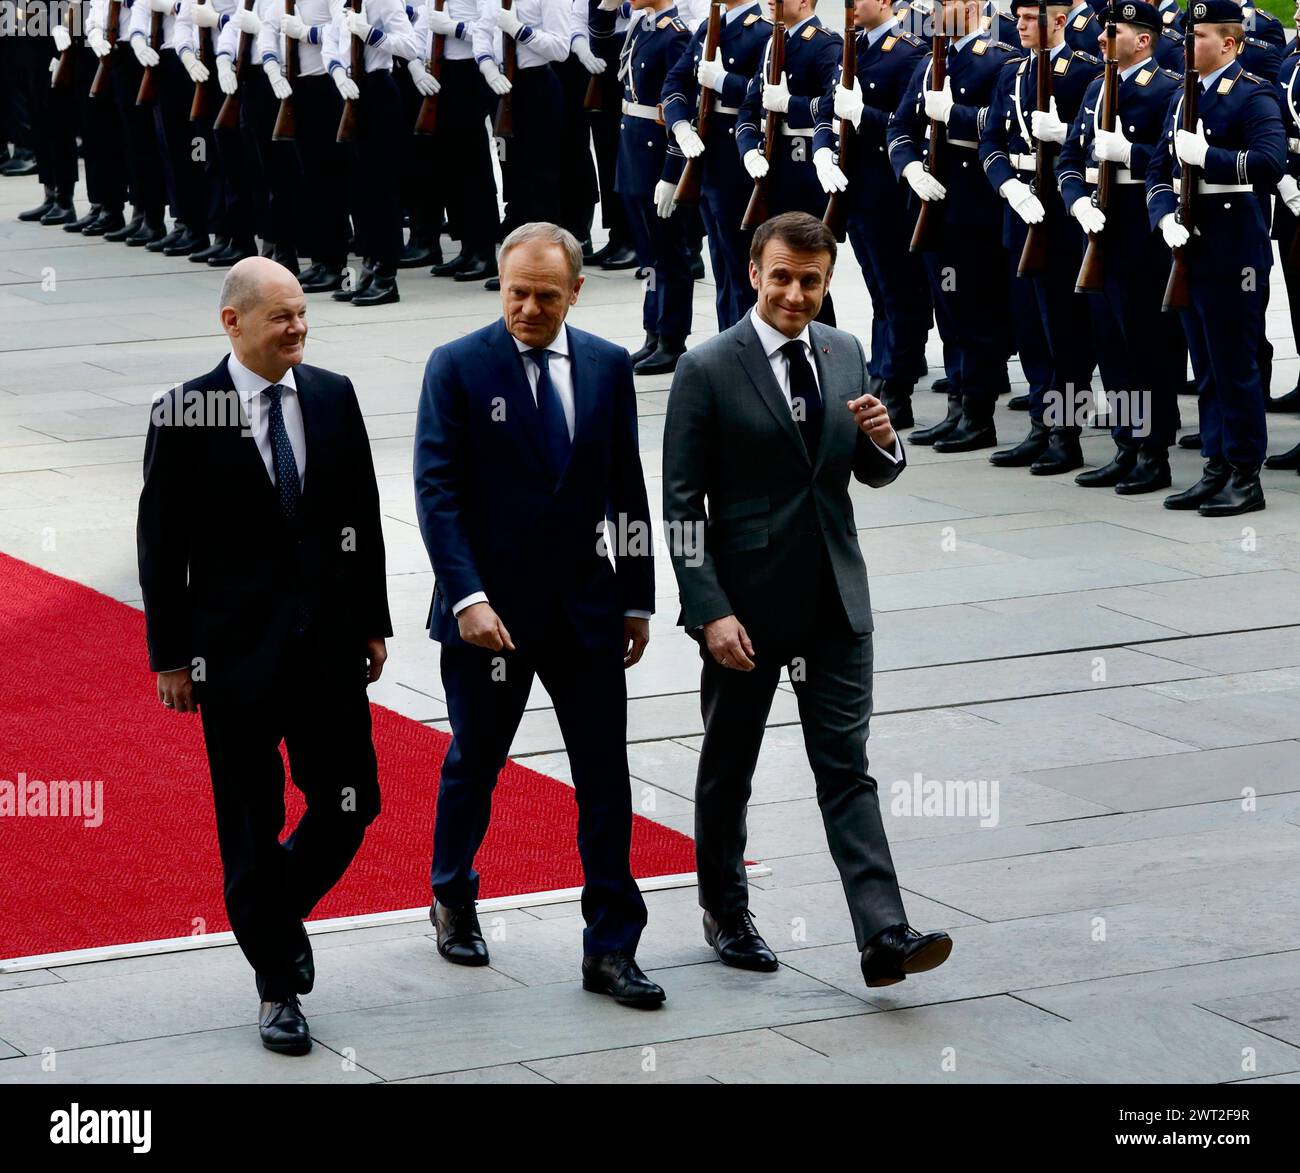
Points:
[[772, 340], [549, 25], [249, 387]]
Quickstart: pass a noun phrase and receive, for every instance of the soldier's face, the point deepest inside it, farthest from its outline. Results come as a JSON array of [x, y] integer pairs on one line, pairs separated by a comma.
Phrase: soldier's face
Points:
[[870, 13], [536, 291], [1212, 48], [1027, 27], [637, 5], [791, 286], [1129, 40]]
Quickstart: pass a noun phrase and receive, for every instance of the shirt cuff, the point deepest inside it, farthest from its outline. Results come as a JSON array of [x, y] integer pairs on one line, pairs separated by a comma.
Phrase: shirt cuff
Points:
[[636, 615], [896, 454], [469, 601]]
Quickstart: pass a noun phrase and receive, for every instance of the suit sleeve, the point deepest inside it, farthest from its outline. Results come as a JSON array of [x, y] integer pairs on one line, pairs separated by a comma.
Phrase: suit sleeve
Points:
[[372, 582], [633, 565], [749, 122], [681, 89], [871, 466]]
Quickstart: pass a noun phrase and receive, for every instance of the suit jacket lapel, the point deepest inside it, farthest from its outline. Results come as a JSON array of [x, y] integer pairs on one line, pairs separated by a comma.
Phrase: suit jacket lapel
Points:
[[584, 375], [829, 358], [311, 426], [754, 360], [507, 378], [240, 431]]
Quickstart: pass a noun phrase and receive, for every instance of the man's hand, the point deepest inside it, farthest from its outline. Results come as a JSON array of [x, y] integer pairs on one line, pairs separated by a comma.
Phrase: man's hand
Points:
[[776, 97], [939, 103], [204, 16], [755, 163], [1176, 236], [62, 38], [1192, 148], [497, 81], [423, 80], [829, 175], [665, 201], [636, 634], [923, 183], [376, 654], [247, 21], [1046, 125], [348, 90], [1091, 218], [226, 76], [176, 691], [848, 102], [1111, 146], [586, 58], [711, 73], [481, 626], [506, 20], [690, 142], [1023, 202], [873, 420], [145, 53], [728, 643]]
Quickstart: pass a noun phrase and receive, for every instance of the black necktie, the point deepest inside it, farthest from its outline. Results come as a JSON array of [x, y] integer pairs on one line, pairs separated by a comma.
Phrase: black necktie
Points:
[[555, 432], [286, 467], [805, 400]]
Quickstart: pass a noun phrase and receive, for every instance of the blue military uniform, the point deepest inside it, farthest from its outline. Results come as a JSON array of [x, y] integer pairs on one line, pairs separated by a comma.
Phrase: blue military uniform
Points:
[[1264, 44], [1082, 28], [1171, 49], [1151, 353], [887, 58], [1171, 16], [1285, 223], [724, 183]]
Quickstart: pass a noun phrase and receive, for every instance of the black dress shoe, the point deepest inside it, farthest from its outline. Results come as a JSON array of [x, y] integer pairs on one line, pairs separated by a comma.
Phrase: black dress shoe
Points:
[[459, 937], [381, 291], [664, 359], [618, 975], [1191, 440], [188, 244], [1027, 451], [204, 255], [477, 269], [1288, 402], [283, 1027], [896, 395], [968, 436], [648, 348], [363, 283], [1063, 454], [943, 385], [1285, 461], [1241, 493], [325, 281], [736, 941], [232, 254], [86, 221], [1149, 474], [943, 428], [1018, 403], [146, 234], [130, 228], [623, 257], [1109, 475], [1213, 477], [22, 163], [613, 247], [32, 215], [452, 267], [177, 232], [417, 256], [311, 273], [492, 284], [104, 223], [61, 214], [588, 250], [899, 950], [697, 268]]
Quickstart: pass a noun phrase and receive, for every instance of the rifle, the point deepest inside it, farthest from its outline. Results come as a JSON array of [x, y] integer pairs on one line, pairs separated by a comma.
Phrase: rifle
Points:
[[104, 71], [286, 125], [504, 124], [228, 116], [1178, 293], [836, 213], [201, 107], [427, 121], [146, 94], [688, 187], [1033, 258], [66, 69], [929, 220], [348, 123], [756, 211], [1093, 270]]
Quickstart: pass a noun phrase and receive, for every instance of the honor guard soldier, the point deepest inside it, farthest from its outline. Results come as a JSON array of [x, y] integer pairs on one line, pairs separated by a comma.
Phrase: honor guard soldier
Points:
[[1014, 132], [1264, 43], [1150, 351], [887, 57], [1169, 51], [967, 268], [1000, 26], [1239, 144], [649, 166], [724, 183], [803, 169], [1082, 28]]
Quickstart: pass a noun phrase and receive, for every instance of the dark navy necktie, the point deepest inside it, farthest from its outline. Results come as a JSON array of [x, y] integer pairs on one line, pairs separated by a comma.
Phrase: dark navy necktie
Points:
[[805, 399], [286, 467], [555, 432]]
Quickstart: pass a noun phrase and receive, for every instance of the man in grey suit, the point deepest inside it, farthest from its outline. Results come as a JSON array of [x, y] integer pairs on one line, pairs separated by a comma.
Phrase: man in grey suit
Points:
[[766, 423]]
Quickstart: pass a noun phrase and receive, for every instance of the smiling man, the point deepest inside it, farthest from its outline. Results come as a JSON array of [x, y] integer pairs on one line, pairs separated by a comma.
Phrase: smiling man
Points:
[[766, 424], [262, 567]]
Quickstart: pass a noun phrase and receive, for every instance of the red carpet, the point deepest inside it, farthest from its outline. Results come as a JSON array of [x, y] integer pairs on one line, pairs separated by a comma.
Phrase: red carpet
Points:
[[77, 702]]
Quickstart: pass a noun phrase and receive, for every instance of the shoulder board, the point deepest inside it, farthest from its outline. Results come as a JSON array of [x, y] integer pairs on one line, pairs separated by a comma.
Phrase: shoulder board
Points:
[[673, 23], [1266, 17], [910, 39], [1144, 77], [1171, 75], [1259, 81], [753, 18], [1174, 35], [1086, 58], [1012, 49]]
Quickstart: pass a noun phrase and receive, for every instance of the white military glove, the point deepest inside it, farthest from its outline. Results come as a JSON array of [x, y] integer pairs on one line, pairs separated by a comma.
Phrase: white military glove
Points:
[[98, 45], [359, 26], [848, 103], [690, 142], [923, 183], [497, 81], [294, 27], [441, 24], [194, 67], [711, 73], [939, 103], [664, 198], [1023, 202], [754, 163], [226, 76], [1174, 233], [424, 81], [246, 22], [776, 97], [62, 39], [279, 87], [588, 60], [162, 7], [506, 20], [204, 16], [1288, 191], [1047, 126], [828, 174], [347, 88], [1110, 146], [1192, 148], [1091, 218], [143, 53], [54, 64], [610, 5]]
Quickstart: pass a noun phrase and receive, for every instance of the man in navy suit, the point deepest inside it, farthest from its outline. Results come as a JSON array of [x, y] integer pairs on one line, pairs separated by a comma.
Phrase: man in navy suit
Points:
[[525, 445]]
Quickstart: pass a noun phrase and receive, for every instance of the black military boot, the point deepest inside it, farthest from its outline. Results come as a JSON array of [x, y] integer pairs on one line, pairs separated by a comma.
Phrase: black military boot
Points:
[[157, 246], [1149, 474], [34, 215], [973, 431], [1285, 461], [622, 257], [363, 283], [380, 291], [481, 268], [896, 395], [108, 220], [186, 244], [85, 221], [648, 348], [1063, 454], [232, 254], [1192, 440], [943, 427], [63, 213], [1288, 402], [122, 231], [1109, 475], [324, 280], [204, 255], [1018, 403], [148, 232], [664, 359], [1213, 477], [452, 267], [1027, 451], [1241, 493]]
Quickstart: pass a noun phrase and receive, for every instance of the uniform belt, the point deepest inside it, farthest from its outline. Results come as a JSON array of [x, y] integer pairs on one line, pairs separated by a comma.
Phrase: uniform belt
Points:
[[1025, 162], [798, 131], [732, 110], [1293, 145], [637, 110], [962, 142], [1204, 188], [1120, 175]]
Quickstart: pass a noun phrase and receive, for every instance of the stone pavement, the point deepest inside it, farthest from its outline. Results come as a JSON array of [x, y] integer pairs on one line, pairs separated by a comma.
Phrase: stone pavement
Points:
[[1122, 674]]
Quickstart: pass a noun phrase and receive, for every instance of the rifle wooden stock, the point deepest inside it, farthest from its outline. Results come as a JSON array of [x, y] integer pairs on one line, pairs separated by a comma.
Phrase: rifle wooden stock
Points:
[[228, 115], [929, 220], [286, 125], [426, 121], [837, 207], [1092, 273], [1033, 257], [756, 209], [348, 122], [503, 126], [1178, 291], [594, 99], [65, 72], [104, 71], [201, 107], [147, 91], [688, 186]]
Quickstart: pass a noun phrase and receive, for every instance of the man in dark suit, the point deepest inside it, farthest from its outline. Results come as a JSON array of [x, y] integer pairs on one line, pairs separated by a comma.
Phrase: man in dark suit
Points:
[[262, 566], [525, 444], [766, 423]]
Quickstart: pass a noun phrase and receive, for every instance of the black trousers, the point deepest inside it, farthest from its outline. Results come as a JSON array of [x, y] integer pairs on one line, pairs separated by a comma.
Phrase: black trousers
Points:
[[578, 190], [605, 124], [101, 138], [833, 689], [485, 704], [323, 227], [275, 200], [61, 118], [530, 164], [187, 180], [316, 706], [148, 190], [462, 179], [376, 198]]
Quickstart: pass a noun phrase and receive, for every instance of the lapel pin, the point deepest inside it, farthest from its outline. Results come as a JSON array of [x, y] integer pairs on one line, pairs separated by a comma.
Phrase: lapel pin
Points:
[[826, 350]]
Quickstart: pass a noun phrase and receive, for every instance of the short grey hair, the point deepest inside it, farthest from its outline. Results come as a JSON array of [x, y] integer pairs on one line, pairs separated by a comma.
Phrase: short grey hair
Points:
[[240, 290], [546, 233]]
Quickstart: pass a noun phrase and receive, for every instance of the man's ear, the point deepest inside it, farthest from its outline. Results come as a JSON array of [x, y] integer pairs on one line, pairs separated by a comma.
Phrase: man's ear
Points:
[[753, 275], [577, 287], [229, 320]]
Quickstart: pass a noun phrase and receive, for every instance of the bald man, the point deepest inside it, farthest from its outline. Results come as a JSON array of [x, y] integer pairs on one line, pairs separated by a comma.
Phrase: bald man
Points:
[[262, 567]]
